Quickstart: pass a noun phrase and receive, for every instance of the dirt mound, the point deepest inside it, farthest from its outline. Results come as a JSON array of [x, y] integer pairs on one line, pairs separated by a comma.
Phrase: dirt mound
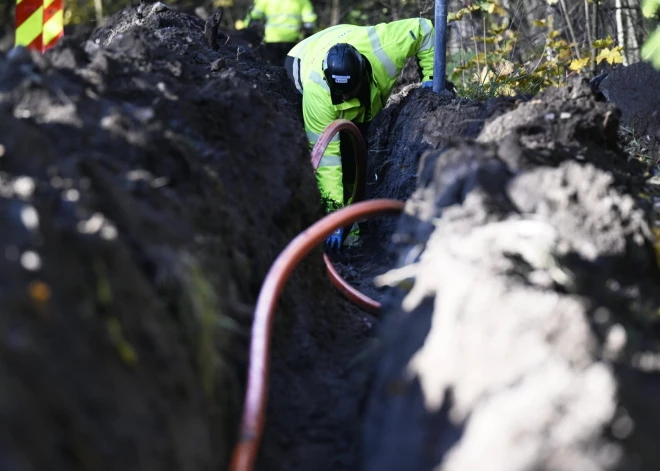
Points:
[[415, 121], [147, 184], [528, 289], [634, 91]]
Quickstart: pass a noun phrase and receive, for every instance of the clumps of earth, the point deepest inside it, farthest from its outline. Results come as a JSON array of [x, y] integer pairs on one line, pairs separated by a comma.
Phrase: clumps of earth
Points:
[[152, 170]]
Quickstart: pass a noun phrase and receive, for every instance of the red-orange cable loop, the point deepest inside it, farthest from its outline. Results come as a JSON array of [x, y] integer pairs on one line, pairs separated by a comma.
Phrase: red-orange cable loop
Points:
[[338, 125], [359, 147], [254, 409], [353, 295]]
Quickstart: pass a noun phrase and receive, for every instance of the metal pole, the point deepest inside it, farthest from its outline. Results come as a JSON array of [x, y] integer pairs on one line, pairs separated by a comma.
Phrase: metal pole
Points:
[[440, 54]]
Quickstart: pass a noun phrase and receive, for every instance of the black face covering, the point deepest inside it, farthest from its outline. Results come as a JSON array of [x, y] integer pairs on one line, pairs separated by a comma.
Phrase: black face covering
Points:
[[364, 92]]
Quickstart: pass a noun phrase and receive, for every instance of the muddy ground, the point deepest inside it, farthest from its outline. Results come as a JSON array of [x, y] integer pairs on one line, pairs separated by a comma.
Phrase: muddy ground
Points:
[[149, 181]]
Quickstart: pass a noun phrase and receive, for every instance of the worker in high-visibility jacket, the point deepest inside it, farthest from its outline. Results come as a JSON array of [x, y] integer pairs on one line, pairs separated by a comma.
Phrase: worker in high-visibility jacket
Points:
[[285, 23], [348, 72]]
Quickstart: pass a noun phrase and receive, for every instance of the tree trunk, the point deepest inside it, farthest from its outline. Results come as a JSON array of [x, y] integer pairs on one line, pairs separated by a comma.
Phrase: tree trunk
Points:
[[632, 46], [620, 33], [334, 13], [98, 9]]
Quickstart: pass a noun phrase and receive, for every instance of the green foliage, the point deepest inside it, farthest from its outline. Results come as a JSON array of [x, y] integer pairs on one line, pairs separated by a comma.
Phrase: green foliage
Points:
[[78, 12], [357, 17], [651, 48], [371, 12], [634, 146], [650, 8], [491, 69], [368, 12]]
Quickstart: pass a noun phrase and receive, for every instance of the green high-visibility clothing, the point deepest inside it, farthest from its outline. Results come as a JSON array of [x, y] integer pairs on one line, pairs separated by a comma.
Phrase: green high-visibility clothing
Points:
[[283, 18], [386, 46]]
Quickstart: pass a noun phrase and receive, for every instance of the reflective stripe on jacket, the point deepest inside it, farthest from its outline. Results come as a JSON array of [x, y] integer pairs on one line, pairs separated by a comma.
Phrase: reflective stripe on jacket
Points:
[[386, 46], [283, 18]]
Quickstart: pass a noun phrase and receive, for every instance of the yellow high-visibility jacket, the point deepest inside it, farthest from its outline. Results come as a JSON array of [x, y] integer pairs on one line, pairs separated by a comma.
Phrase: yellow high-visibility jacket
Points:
[[386, 46], [283, 18]]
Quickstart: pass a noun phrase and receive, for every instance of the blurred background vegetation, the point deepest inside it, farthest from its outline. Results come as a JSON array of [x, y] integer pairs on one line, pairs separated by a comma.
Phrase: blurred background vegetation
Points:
[[494, 46]]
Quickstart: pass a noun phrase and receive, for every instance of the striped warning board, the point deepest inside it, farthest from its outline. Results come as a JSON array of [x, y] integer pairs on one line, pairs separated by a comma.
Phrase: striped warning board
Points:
[[39, 23], [53, 22], [29, 24]]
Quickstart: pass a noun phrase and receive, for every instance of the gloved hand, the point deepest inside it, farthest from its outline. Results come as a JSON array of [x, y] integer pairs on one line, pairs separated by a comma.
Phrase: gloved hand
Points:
[[334, 240], [449, 86]]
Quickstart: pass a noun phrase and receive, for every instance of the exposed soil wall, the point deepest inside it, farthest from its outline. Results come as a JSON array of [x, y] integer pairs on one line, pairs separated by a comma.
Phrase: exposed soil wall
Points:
[[415, 121], [633, 89], [528, 289], [147, 184]]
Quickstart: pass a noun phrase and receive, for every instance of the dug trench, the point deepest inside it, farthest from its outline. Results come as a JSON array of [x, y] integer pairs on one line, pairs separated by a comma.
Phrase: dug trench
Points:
[[148, 182]]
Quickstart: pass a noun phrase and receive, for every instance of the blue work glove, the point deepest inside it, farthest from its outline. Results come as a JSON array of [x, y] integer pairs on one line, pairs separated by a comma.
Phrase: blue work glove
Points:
[[427, 84], [333, 241]]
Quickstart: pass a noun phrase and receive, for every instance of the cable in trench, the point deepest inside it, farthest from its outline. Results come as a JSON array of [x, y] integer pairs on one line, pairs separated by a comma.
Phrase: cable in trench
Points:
[[254, 408], [362, 301]]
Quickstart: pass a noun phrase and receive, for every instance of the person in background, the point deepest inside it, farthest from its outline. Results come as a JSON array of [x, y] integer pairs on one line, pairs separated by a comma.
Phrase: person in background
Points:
[[285, 22], [348, 71]]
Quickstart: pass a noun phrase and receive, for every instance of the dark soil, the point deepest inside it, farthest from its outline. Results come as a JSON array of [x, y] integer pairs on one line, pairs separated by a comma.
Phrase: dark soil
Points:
[[529, 295], [634, 90], [415, 121], [149, 180], [148, 183]]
